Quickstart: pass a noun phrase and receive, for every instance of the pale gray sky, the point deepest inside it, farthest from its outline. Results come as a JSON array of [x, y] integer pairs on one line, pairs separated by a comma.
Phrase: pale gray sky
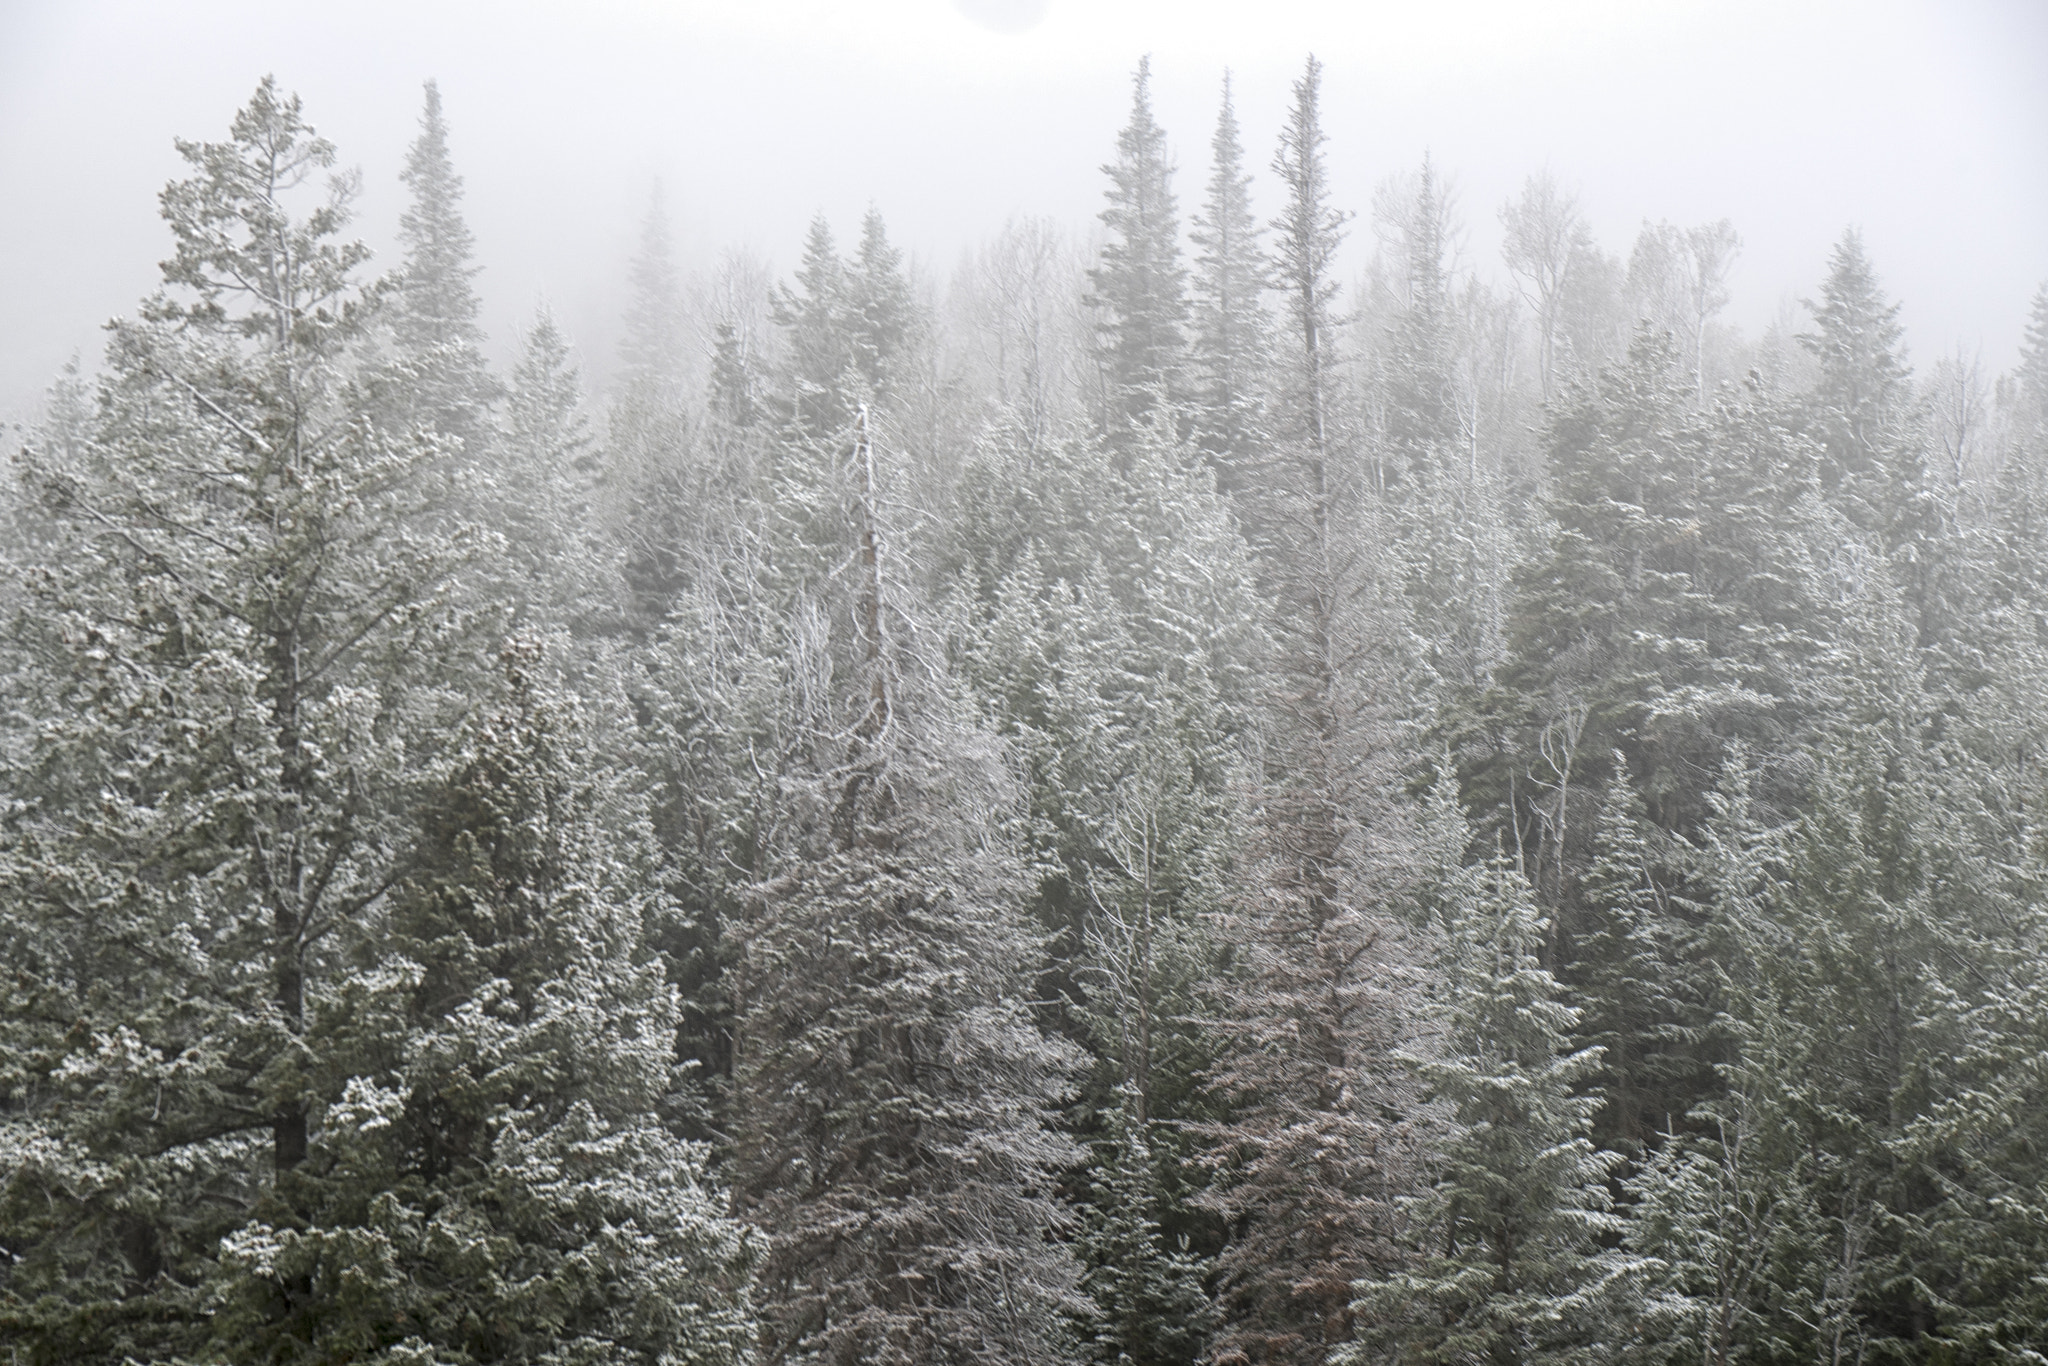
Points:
[[1924, 123]]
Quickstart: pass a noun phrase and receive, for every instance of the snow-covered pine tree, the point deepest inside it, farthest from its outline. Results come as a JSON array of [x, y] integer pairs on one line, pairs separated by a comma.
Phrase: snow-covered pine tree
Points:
[[1506, 1262], [240, 660], [1634, 974], [823, 340], [543, 495], [2033, 367], [1112, 635], [1149, 1306], [1877, 468], [1232, 334], [892, 1095], [1423, 426], [885, 318], [1313, 1152], [435, 321], [494, 1178], [1863, 385], [1139, 289], [648, 491]]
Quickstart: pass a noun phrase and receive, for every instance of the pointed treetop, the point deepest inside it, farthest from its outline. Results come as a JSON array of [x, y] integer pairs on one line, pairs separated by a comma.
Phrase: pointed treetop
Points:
[[440, 306], [1140, 283], [2034, 356], [1230, 324], [652, 348], [1857, 332], [1309, 232]]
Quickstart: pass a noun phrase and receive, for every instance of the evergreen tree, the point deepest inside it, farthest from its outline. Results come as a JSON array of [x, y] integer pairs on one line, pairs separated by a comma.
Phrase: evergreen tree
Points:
[[2033, 368], [545, 492], [892, 1095], [850, 327], [822, 346], [1631, 969], [241, 663], [884, 317], [1507, 1260], [1305, 241], [1863, 372], [1313, 1153], [436, 319], [1232, 334], [1140, 287], [1149, 1305], [1423, 424], [647, 425], [1114, 646], [651, 472], [493, 1179]]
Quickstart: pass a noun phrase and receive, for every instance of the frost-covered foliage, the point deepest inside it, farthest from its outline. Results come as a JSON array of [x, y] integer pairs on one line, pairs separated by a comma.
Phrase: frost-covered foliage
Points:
[[1178, 809]]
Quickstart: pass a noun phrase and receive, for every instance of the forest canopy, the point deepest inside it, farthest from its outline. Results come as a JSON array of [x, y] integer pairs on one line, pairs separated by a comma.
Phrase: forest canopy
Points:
[[1147, 803]]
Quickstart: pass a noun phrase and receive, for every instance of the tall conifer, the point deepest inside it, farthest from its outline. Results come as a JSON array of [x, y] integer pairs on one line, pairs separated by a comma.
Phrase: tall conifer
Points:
[[1232, 333], [1140, 287], [436, 322]]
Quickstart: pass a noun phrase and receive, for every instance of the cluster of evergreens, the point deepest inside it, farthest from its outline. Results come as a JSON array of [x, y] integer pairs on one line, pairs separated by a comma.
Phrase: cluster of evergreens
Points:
[[1150, 806]]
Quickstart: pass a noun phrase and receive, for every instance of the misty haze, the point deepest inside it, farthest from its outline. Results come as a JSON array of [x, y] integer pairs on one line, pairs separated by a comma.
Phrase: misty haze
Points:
[[976, 683]]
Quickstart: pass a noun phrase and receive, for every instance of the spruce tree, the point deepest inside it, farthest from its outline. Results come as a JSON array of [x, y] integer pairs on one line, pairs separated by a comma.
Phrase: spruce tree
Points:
[[1506, 1243], [1149, 1307], [1140, 287], [1633, 973], [1313, 1154], [1305, 241], [647, 424], [1863, 372], [1232, 333], [436, 319], [885, 318], [649, 467], [494, 1178], [1113, 637], [2033, 367], [892, 1095], [1423, 426], [544, 493]]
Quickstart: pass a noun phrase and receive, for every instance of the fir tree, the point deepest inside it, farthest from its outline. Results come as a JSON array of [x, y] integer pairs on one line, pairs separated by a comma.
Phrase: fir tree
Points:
[[1113, 645], [882, 314], [1423, 422], [493, 1179], [1149, 1305], [892, 1093], [2033, 367], [1140, 287], [1863, 373], [436, 320], [1305, 241], [648, 498], [545, 492], [647, 425], [1508, 1266], [1313, 1155], [1631, 969], [1232, 334]]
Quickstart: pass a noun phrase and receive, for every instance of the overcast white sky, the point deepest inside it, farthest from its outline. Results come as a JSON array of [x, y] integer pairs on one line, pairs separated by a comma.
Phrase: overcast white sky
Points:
[[1924, 123]]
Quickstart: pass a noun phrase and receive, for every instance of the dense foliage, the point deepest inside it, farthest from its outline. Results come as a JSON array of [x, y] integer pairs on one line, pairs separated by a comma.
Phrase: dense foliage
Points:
[[1177, 807]]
